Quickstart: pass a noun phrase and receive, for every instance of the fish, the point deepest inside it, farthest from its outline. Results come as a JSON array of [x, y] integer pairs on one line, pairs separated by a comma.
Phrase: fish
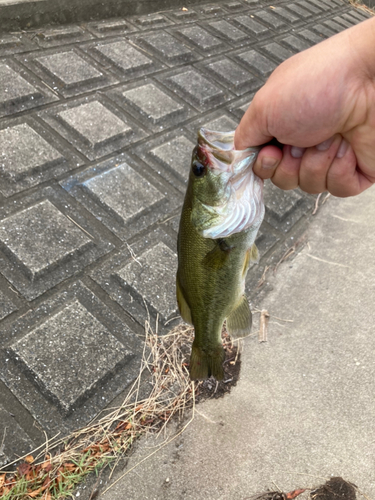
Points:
[[221, 215]]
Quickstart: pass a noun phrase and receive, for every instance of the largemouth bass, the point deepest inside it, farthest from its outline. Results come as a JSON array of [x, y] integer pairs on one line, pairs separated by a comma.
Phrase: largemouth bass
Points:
[[221, 215]]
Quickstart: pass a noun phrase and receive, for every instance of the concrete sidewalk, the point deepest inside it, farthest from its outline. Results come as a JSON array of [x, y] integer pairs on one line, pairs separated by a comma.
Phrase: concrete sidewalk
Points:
[[304, 407]]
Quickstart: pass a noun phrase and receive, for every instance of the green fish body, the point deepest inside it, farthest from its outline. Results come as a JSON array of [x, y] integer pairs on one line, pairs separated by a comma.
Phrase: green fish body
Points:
[[221, 215]]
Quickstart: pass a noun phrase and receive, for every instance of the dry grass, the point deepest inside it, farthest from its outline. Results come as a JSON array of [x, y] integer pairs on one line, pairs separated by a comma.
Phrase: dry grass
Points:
[[52, 470]]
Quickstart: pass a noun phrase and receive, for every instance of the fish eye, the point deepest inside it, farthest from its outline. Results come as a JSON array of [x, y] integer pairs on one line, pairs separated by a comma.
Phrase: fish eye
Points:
[[199, 170]]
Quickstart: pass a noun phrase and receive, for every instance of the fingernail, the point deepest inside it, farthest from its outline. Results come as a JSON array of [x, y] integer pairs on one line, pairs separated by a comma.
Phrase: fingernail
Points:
[[323, 146], [342, 149], [297, 152], [268, 162]]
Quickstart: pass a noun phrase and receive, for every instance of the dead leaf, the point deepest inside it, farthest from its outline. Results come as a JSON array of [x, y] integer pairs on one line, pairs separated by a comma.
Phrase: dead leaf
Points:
[[46, 466], [23, 469], [2, 479], [294, 494], [34, 493], [29, 459]]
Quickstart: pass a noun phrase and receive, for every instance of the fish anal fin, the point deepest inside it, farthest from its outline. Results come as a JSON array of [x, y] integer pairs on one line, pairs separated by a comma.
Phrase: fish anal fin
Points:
[[205, 364], [240, 319], [182, 305]]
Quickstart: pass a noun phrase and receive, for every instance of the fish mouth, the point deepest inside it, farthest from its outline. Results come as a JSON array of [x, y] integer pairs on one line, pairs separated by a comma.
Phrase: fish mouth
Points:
[[243, 208]]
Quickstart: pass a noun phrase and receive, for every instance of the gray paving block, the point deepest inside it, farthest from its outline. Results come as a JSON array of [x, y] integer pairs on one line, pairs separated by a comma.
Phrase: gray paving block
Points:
[[44, 240], [170, 156], [210, 10], [69, 355], [346, 23], [217, 120], [155, 107], [151, 21], [68, 72], [296, 43], [183, 16], [108, 27], [237, 108], [153, 277], [196, 89], [126, 61], [286, 15], [21, 235], [252, 3], [322, 30], [256, 62], [252, 27], [309, 6], [234, 6], [351, 19], [360, 15], [228, 32], [143, 281], [334, 26], [201, 40], [60, 35], [311, 37], [68, 358], [166, 47], [269, 18], [93, 125], [30, 155], [227, 72], [122, 195], [14, 440], [6, 308], [265, 240], [284, 208], [300, 11], [18, 91], [13, 44], [277, 52]]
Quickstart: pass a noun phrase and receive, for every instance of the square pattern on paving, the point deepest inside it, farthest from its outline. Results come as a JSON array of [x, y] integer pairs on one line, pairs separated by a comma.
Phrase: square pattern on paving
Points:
[[17, 93], [121, 195], [141, 278], [128, 62], [95, 127], [153, 106], [41, 237], [60, 353], [30, 155], [46, 243], [166, 47], [196, 89]]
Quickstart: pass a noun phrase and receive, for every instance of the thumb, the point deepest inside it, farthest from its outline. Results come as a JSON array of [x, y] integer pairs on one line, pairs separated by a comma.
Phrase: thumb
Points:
[[252, 130]]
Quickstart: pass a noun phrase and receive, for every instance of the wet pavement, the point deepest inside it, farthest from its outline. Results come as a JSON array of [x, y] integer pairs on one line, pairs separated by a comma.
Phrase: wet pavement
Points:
[[97, 125]]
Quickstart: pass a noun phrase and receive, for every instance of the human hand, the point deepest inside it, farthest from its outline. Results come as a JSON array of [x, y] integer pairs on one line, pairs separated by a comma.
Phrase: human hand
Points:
[[320, 103]]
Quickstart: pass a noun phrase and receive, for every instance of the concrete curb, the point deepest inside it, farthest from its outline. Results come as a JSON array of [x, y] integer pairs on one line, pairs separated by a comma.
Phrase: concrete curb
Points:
[[21, 14]]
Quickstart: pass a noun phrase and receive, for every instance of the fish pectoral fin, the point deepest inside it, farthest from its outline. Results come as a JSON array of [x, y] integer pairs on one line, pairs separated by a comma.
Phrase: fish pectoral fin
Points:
[[217, 257], [182, 305], [254, 254], [240, 319]]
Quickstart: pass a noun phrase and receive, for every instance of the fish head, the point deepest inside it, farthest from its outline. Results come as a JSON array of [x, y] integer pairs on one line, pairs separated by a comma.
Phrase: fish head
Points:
[[227, 197]]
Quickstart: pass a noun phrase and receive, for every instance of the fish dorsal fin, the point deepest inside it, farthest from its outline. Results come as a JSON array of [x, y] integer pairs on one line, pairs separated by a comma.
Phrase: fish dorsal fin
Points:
[[182, 305], [240, 319]]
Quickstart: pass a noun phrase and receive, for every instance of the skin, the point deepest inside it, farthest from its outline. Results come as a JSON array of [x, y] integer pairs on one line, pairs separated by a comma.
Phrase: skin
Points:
[[320, 104]]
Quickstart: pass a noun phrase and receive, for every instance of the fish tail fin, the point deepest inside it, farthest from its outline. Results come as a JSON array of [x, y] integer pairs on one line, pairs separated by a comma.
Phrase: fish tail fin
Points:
[[206, 364]]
